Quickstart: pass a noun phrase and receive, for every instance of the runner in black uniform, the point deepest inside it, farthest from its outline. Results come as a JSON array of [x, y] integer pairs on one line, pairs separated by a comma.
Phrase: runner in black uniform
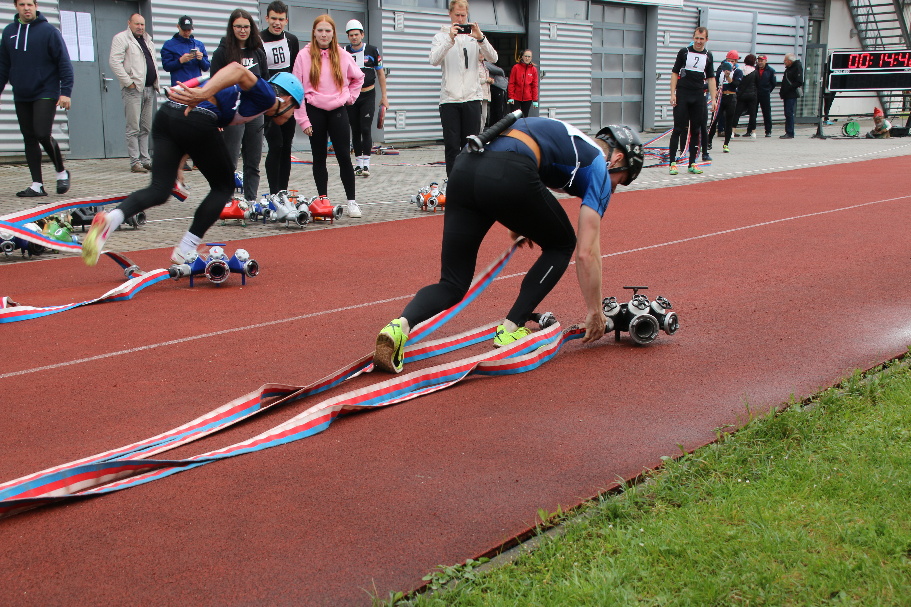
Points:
[[190, 123], [509, 184], [692, 70], [360, 113]]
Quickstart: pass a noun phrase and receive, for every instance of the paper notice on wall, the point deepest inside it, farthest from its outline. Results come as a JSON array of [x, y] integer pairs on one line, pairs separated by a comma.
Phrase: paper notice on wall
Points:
[[77, 34], [68, 29], [86, 40]]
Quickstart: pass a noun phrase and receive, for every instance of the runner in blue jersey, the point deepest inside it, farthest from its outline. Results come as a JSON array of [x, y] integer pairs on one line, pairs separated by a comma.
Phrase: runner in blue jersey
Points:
[[508, 183], [189, 123]]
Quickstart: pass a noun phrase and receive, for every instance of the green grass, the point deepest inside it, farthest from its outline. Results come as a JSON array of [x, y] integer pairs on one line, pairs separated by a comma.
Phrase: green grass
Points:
[[808, 506]]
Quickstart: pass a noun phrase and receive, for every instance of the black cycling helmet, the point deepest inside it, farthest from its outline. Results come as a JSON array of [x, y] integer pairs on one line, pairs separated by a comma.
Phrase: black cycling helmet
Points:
[[625, 139]]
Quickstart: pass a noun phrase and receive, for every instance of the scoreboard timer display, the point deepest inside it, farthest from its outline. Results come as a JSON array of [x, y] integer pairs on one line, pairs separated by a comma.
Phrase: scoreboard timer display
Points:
[[870, 70]]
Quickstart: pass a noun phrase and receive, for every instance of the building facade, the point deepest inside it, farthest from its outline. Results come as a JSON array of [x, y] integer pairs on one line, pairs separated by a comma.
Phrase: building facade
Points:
[[599, 62]]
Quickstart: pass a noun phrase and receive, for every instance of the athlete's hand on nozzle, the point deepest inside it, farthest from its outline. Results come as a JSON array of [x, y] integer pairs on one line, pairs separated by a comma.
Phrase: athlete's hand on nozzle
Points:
[[594, 326], [189, 97]]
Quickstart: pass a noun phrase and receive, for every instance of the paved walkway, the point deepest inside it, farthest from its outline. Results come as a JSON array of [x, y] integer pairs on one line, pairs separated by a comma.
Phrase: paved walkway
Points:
[[394, 178]]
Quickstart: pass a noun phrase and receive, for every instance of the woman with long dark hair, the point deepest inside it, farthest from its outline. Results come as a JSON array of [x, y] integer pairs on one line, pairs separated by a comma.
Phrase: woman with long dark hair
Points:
[[331, 81], [242, 44]]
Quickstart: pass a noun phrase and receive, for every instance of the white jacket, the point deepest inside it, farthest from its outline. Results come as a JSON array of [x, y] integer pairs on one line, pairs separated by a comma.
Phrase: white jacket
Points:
[[459, 61], [127, 60]]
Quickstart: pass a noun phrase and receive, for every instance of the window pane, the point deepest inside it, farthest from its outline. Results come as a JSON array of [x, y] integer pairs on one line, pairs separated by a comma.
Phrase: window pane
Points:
[[613, 86], [633, 63], [635, 16], [613, 38], [632, 86], [613, 14], [613, 63], [510, 12], [634, 39], [481, 11]]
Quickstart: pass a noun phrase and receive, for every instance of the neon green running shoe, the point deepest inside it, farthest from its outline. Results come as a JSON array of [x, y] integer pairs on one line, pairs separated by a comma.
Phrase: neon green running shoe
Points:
[[97, 236], [390, 348], [673, 170], [695, 170], [726, 149], [503, 338]]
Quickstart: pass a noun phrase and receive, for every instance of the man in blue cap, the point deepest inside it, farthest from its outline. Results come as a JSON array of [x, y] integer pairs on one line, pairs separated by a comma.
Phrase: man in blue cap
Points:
[[183, 56]]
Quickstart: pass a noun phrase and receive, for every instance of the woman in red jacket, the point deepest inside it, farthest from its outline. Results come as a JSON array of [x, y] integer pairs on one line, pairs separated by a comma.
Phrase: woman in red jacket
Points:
[[523, 85]]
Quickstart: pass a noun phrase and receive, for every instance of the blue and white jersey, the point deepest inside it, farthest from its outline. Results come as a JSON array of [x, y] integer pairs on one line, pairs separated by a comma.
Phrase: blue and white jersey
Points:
[[571, 161], [237, 106]]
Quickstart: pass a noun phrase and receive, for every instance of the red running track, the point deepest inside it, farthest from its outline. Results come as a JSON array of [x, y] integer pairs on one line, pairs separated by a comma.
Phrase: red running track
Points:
[[784, 284]]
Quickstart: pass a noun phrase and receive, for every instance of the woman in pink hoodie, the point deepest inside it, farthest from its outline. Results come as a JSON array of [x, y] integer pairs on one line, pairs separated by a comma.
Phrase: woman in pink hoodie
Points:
[[331, 81]]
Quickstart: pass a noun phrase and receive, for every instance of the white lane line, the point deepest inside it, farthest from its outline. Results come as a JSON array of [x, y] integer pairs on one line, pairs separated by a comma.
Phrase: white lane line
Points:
[[401, 297]]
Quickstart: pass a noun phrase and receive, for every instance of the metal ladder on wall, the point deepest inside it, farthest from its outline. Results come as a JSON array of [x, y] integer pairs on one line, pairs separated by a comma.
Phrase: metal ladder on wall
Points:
[[882, 25]]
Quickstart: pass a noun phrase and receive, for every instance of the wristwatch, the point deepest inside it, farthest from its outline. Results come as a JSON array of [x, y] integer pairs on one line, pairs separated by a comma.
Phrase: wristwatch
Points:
[[482, 39]]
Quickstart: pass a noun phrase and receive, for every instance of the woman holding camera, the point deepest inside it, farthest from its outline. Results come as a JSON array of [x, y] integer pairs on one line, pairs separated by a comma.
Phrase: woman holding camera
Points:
[[456, 49]]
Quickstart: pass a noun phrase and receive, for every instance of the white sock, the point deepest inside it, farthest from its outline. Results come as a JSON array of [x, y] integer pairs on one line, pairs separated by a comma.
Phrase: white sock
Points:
[[366, 162], [37, 185], [188, 243], [360, 161], [115, 218], [64, 174], [350, 202]]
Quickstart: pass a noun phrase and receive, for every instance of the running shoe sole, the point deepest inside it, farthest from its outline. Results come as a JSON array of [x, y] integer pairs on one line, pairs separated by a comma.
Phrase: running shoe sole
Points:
[[384, 357]]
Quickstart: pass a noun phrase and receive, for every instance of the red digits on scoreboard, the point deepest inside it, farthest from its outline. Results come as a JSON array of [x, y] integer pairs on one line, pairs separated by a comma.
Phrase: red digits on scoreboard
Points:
[[859, 61], [862, 61]]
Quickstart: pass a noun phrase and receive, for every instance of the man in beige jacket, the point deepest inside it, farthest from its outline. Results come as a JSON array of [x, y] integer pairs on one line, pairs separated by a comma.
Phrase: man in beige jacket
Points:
[[132, 52]]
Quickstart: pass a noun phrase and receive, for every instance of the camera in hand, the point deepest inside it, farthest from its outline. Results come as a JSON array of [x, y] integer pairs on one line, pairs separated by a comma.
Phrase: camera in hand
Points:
[[464, 28]]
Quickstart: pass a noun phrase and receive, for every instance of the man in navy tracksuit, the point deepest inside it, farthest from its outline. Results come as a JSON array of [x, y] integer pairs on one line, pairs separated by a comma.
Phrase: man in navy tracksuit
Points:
[[33, 47], [183, 56]]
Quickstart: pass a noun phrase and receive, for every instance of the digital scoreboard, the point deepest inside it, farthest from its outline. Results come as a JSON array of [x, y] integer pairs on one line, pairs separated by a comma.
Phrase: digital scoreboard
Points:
[[870, 70]]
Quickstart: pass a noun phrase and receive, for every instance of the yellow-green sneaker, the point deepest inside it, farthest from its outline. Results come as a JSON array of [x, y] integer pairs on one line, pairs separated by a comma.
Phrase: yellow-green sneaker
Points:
[[390, 348], [97, 236], [695, 170], [504, 338], [673, 170]]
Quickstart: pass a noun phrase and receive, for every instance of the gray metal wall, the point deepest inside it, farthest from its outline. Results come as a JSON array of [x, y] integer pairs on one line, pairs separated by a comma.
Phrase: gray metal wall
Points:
[[565, 59], [778, 27], [210, 21], [414, 84]]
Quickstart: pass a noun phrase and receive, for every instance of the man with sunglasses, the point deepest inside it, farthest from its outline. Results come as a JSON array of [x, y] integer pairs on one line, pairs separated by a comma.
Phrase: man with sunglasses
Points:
[[189, 123], [508, 183]]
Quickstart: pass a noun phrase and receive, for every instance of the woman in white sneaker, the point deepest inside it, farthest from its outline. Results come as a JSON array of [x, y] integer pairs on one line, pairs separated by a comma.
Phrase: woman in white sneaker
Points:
[[331, 81]]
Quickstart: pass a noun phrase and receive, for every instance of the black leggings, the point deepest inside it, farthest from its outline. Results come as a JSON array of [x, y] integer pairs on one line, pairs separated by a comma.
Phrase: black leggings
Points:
[[525, 106], [36, 118], [459, 120], [483, 189], [726, 112], [360, 114], [278, 158], [174, 135], [331, 125], [689, 113]]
